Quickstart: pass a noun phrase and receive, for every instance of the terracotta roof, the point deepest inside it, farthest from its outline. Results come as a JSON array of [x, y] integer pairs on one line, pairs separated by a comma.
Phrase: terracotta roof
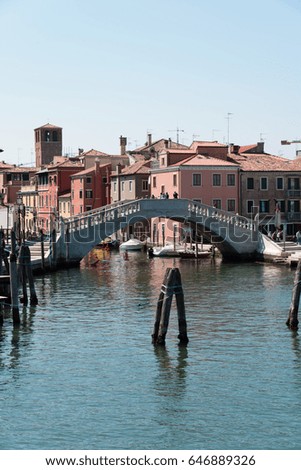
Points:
[[203, 143], [158, 144], [266, 162], [18, 169], [6, 166], [48, 126], [246, 148], [67, 164], [141, 168], [202, 160], [88, 171], [93, 153]]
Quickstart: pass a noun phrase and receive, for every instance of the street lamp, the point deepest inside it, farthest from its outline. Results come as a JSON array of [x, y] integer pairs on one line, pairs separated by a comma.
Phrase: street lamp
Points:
[[21, 211]]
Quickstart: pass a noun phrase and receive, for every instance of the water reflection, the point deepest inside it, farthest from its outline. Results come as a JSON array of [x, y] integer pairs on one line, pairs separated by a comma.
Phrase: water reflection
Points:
[[20, 338], [171, 379]]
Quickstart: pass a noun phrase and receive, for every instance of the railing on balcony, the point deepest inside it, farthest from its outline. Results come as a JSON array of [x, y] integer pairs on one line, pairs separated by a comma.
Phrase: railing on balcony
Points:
[[293, 193], [294, 216]]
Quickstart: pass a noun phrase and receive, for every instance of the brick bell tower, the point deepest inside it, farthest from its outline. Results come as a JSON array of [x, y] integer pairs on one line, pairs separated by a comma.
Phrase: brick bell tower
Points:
[[48, 143]]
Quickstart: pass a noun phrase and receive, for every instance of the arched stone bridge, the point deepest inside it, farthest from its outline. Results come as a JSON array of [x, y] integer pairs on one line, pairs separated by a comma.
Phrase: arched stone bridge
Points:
[[236, 237]]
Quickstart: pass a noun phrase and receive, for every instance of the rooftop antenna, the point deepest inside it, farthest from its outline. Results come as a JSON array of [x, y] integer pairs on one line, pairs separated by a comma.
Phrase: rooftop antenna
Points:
[[261, 136], [177, 130], [228, 132], [213, 132]]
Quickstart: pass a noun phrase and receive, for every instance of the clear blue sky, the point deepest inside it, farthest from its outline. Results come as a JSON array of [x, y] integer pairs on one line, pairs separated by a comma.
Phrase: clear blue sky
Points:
[[102, 68]]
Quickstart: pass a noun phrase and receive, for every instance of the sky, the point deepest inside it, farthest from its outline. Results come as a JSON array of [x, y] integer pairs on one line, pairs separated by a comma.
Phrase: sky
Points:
[[213, 70]]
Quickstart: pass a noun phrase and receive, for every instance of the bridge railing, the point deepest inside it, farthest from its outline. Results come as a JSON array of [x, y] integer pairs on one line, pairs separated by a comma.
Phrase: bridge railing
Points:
[[222, 216], [121, 209], [100, 215]]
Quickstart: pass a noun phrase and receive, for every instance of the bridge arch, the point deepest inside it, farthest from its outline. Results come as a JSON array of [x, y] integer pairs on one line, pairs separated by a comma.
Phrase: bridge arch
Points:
[[236, 237]]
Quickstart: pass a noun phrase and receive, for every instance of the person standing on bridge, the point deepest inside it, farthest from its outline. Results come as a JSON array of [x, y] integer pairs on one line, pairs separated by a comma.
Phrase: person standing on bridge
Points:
[[298, 237]]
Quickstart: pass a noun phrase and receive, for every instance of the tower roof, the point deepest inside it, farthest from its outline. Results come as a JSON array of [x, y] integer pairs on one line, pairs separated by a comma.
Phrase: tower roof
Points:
[[48, 126]]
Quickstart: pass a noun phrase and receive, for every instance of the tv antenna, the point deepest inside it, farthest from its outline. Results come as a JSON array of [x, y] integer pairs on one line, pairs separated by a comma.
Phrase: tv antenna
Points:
[[177, 130], [213, 132]]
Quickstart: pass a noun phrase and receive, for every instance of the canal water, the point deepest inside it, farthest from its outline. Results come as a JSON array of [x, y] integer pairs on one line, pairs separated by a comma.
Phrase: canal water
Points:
[[81, 372]]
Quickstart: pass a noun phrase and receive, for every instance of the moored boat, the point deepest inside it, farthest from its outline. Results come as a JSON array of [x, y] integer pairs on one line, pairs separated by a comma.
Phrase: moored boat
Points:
[[132, 245]]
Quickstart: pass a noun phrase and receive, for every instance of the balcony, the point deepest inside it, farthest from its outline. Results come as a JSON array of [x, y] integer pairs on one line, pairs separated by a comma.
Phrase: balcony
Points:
[[293, 216], [293, 193]]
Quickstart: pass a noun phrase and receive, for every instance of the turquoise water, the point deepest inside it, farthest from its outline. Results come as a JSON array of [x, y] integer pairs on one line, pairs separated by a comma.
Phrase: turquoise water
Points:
[[81, 372]]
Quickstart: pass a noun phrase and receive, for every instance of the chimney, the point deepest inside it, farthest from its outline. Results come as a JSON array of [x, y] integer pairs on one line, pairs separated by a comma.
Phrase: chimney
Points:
[[97, 163], [123, 142], [149, 138], [260, 147], [118, 168], [166, 144], [235, 149]]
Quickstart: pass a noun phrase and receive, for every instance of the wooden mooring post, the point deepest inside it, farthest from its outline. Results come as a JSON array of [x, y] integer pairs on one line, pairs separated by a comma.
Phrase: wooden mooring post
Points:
[[292, 321], [25, 274], [14, 287], [42, 250], [172, 284]]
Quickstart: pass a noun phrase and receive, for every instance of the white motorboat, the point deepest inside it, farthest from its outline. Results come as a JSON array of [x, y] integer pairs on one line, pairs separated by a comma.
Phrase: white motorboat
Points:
[[132, 245], [164, 251]]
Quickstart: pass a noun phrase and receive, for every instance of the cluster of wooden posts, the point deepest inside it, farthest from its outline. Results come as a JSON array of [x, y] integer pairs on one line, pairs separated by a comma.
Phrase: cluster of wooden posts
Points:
[[172, 284], [19, 272]]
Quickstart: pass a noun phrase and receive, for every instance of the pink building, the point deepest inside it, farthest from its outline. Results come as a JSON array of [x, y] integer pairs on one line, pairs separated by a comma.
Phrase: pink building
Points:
[[211, 181]]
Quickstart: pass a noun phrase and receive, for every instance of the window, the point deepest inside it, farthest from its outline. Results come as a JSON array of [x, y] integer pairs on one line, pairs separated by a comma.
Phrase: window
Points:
[[89, 180], [264, 206], [279, 183], [231, 179], [231, 205], [250, 183], [154, 181], [130, 185], [104, 179], [81, 194], [216, 179], [174, 180], [88, 208], [144, 185], [122, 186], [115, 186], [217, 203], [263, 183], [196, 179], [293, 206], [47, 136], [293, 183], [162, 161], [250, 205], [54, 136], [89, 194]]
